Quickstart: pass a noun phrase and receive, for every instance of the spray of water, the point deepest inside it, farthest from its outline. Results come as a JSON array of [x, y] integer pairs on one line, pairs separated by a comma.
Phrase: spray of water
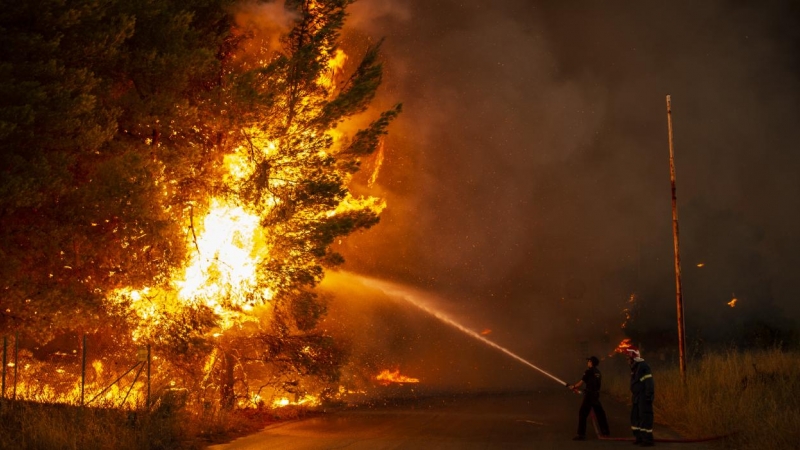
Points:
[[413, 298]]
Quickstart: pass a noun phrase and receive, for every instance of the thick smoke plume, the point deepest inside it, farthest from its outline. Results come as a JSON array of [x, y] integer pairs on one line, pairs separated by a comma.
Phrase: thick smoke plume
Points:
[[528, 182]]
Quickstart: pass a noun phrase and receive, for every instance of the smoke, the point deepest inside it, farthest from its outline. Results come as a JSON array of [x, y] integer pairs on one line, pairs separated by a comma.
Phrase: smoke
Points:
[[527, 180], [386, 332], [266, 22], [368, 15]]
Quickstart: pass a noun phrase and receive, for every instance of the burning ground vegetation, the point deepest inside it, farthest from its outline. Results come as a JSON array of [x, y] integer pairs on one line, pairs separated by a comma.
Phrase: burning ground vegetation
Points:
[[174, 175]]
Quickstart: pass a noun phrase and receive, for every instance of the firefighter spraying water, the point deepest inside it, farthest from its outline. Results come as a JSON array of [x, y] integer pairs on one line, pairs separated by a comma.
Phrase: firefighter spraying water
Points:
[[592, 379]]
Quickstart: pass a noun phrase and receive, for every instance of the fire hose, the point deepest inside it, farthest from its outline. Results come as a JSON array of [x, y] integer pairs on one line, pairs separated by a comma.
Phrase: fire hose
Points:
[[672, 441], [665, 440]]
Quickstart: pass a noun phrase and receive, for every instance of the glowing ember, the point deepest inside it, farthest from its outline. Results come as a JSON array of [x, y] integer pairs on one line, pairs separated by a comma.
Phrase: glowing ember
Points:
[[701, 264], [733, 301], [387, 376], [627, 310], [486, 332]]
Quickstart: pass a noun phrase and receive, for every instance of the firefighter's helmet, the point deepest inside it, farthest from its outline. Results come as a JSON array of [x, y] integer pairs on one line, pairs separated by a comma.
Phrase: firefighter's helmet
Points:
[[632, 352]]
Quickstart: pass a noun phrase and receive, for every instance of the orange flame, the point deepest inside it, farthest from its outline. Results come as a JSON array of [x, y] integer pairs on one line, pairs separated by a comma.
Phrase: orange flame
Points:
[[387, 376], [306, 400], [378, 163], [626, 343], [732, 303]]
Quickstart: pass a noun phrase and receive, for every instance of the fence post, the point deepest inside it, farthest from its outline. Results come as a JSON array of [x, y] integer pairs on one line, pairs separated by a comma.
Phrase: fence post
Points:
[[83, 367], [5, 348], [16, 362], [147, 401]]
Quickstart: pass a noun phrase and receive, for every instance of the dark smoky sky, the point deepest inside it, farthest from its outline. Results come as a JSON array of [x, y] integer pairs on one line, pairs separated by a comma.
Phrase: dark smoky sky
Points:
[[527, 180]]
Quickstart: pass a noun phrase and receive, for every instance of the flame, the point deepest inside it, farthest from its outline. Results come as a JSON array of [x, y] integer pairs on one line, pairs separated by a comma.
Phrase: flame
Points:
[[626, 343], [228, 243], [44, 384], [98, 367], [388, 376], [701, 264], [225, 266], [307, 400], [335, 66], [378, 163], [733, 301], [351, 203], [336, 63], [221, 273]]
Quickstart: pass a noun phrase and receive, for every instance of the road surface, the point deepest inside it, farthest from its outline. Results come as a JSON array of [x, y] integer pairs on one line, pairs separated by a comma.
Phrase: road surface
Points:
[[537, 420]]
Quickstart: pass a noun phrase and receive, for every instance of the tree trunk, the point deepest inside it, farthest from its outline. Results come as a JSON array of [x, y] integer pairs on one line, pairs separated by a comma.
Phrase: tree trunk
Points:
[[227, 395]]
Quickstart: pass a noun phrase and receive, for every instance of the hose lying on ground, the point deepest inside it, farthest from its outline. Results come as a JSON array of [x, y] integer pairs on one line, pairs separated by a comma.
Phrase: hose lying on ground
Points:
[[673, 441]]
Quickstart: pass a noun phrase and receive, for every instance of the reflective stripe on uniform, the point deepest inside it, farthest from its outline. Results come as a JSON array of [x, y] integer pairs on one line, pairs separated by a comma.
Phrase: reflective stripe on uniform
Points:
[[649, 375], [635, 428], [645, 430]]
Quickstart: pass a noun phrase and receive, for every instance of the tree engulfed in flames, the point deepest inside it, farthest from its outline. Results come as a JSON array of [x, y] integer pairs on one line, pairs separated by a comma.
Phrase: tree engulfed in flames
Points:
[[262, 203], [264, 240]]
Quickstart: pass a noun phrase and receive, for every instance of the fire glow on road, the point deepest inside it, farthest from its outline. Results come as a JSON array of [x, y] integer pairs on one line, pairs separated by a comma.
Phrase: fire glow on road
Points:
[[408, 295]]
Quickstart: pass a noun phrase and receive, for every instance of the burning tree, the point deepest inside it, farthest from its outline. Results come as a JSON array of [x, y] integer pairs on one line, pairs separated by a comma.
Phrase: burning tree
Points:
[[178, 181]]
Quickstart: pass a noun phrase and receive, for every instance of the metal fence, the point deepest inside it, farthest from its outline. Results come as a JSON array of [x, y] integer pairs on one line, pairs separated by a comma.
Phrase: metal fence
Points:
[[62, 373]]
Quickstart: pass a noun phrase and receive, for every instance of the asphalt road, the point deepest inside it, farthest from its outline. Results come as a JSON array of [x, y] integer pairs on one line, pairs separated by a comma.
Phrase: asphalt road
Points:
[[537, 420]]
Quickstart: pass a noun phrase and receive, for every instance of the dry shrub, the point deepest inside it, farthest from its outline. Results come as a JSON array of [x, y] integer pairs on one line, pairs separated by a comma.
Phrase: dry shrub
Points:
[[752, 398], [169, 424], [35, 426]]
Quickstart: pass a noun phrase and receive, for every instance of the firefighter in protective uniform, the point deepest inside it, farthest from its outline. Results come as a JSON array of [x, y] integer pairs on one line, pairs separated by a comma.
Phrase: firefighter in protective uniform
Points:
[[643, 393], [591, 399]]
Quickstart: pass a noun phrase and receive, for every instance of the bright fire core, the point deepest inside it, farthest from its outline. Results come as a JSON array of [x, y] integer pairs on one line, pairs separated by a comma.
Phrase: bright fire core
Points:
[[226, 261]]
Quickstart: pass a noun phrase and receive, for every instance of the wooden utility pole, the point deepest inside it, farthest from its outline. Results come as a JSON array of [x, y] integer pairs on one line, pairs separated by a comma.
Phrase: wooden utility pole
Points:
[[676, 245]]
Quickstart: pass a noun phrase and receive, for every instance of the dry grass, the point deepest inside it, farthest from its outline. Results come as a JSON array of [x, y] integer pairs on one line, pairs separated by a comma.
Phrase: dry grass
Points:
[[34, 426], [752, 397], [38, 426]]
